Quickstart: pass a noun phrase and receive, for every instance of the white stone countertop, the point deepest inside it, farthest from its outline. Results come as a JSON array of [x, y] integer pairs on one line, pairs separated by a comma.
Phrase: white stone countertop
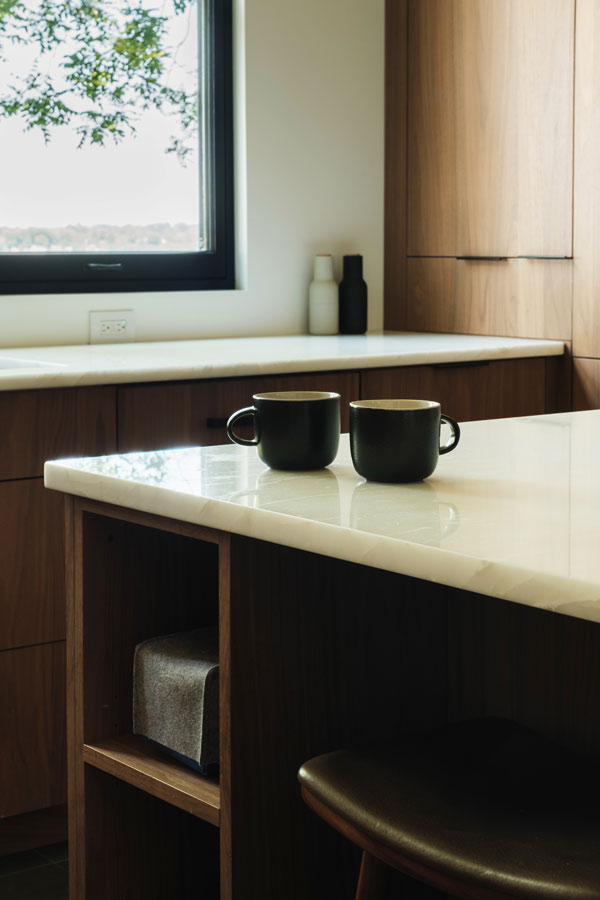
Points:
[[513, 512], [48, 367]]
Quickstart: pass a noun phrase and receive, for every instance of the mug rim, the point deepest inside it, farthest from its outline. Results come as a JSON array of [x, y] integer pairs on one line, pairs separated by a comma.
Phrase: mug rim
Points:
[[394, 404], [295, 396]]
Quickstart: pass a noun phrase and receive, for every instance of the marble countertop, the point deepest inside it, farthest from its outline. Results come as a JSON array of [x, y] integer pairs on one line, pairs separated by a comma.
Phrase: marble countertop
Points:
[[513, 512], [47, 367]]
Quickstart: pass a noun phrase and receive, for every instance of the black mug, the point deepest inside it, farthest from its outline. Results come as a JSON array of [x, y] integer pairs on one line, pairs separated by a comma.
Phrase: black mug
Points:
[[296, 430], [398, 440]]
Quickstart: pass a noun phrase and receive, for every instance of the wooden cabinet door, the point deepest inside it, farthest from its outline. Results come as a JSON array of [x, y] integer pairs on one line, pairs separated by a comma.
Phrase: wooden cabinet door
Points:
[[32, 728], [490, 127], [529, 298], [46, 424], [32, 564], [482, 390], [157, 416]]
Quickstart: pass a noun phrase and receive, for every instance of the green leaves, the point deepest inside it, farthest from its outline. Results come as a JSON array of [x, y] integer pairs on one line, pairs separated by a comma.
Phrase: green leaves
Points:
[[98, 65]]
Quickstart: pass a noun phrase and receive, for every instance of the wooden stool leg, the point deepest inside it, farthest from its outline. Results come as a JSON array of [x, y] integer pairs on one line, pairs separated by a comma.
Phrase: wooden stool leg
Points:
[[372, 878]]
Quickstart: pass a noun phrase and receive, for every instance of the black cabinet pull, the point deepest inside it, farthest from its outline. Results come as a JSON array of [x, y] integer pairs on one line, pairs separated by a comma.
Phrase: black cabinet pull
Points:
[[214, 422], [483, 258], [533, 256], [467, 364]]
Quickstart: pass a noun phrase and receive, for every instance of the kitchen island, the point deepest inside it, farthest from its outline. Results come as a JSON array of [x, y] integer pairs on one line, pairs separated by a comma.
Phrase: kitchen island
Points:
[[116, 398], [347, 611]]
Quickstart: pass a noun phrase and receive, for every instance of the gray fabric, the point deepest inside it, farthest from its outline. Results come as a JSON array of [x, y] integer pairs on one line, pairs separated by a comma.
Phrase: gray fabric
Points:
[[176, 693]]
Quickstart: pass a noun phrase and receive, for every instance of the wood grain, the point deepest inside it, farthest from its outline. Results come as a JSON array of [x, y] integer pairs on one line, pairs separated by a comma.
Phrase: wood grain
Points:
[[137, 582], [586, 225], [158, 416], [396, 85], [225, 761], [432, 201], [35, 829], [315, 654], [531, 665], [137, 762], [313, 669], [559, 378], [545, 50], [48, 424], [485, 128], [515, 298], [140, 847], [75, 711], [586, 383], [32, 554], [490, 117], [32, 728], [490, 167], [486, 390]]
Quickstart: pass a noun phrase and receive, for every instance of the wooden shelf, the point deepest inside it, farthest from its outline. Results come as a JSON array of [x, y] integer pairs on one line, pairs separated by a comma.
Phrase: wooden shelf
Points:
[[137, 762]]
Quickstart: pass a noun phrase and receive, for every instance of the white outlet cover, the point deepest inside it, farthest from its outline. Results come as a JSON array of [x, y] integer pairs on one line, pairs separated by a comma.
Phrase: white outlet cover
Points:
[[112, 326]]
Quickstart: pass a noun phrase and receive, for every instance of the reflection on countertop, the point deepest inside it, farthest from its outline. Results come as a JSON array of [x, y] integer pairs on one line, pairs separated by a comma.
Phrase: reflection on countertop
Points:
[[514, 512]]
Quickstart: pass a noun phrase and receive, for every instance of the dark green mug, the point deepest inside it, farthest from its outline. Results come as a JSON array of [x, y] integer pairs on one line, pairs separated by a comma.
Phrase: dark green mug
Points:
[[398, 440], [292, 429]]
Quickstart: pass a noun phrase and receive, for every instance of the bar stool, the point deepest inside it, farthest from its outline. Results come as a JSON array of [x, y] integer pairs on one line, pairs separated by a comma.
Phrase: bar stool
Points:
[[483, 810]]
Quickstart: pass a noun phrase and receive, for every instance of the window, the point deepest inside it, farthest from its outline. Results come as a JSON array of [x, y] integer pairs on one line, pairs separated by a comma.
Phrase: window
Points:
[[116, 145]]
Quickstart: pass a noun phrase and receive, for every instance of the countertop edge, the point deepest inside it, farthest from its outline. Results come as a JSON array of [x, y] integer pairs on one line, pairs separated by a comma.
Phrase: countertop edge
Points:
[[476, 575], [97, 371]]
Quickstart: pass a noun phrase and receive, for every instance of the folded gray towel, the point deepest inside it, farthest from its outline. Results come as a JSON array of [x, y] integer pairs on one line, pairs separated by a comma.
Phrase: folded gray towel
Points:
[[176, 693]]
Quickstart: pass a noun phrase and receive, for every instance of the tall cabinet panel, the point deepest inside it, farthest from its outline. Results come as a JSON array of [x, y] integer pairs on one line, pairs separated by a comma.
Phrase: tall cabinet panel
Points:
[[485, 128], [431, 151], [586, 273], [490, 110], [486, 151], [545, 45]]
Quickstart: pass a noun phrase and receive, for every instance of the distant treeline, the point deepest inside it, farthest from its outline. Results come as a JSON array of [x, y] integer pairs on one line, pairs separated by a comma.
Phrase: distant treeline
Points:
[[99, 238]]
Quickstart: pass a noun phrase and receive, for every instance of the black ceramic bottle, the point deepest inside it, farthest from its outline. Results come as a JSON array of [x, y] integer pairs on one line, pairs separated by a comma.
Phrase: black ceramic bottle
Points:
[[353, 297]]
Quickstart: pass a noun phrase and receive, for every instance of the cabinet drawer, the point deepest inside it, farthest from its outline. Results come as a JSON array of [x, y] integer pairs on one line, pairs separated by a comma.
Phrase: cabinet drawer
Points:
[[47, 424], [32, 563], [487, 390], [32, 728], [528, 298], [157, 416]]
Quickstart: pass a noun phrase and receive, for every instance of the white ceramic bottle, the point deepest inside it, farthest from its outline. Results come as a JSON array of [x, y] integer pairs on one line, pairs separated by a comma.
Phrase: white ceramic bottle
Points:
[[323, 305]]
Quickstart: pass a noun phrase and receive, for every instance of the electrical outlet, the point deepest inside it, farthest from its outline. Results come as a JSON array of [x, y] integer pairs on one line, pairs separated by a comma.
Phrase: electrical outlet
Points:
[[109, 326]]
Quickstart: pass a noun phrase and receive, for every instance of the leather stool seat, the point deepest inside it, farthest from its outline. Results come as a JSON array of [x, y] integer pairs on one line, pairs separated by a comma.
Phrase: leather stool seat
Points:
[[484, 808]]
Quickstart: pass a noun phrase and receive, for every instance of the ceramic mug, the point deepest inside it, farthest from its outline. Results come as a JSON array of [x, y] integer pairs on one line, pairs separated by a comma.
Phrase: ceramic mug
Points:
[[292, 429], [398, 440]]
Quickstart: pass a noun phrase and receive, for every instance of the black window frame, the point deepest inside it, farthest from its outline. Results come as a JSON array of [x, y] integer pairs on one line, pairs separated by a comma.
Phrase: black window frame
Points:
[[69, 273]]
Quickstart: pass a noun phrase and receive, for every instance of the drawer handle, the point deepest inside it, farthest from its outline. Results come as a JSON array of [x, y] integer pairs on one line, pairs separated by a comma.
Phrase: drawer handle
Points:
[[215, 422], [467, 364], [483, 258]]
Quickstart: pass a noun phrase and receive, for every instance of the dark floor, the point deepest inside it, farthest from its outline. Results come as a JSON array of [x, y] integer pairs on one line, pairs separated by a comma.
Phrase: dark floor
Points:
[[35, 874]]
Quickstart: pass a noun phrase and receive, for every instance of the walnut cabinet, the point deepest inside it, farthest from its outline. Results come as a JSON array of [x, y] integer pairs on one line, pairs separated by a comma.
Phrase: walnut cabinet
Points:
[[479, 166], [315, 654], [490, 128], [46, 424]]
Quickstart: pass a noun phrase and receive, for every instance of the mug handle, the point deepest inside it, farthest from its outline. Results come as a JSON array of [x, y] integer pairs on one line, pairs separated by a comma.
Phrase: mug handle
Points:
[[455, 437], [246, 413]]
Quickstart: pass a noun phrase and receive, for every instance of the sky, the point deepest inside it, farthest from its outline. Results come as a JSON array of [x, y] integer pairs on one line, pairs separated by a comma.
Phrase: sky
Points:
[[135, 182]]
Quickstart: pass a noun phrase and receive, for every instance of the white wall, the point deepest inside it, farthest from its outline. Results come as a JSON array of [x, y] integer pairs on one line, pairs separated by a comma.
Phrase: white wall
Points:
[[311, 93]]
